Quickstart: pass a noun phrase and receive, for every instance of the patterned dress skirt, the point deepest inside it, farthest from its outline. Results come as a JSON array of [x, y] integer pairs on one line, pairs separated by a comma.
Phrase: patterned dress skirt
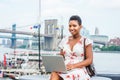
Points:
[[75, 74]]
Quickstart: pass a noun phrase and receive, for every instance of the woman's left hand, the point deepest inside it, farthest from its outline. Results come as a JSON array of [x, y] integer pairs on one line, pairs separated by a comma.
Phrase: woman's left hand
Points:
[[70, 66]]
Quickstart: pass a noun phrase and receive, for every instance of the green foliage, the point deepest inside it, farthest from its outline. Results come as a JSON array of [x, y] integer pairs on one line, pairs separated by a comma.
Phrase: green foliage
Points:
[[110, 48], [96, 47], [22, 46]]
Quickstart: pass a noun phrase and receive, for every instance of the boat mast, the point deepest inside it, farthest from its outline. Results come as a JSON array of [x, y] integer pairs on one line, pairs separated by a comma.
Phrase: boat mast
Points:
[[39, 25]]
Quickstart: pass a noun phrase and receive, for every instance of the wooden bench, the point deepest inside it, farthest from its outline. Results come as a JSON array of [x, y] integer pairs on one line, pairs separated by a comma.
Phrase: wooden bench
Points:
[[46, 77], [100, 78]]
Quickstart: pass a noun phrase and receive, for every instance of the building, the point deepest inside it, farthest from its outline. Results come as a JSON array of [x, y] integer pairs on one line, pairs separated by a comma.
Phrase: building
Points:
[[115, 41]]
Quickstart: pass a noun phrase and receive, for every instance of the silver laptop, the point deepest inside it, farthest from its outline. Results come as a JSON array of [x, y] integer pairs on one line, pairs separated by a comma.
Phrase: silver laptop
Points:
[[54, 63]]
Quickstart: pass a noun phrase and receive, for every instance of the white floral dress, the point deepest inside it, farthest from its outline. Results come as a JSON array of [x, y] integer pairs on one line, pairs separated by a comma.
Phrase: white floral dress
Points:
[[75, 56]]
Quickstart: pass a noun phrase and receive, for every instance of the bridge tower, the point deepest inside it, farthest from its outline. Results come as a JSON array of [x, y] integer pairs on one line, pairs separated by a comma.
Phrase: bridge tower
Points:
[[50, 29], [13, 38]]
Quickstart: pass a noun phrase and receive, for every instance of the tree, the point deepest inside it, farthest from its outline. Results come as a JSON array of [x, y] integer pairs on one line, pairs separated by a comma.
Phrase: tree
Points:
[[110, 48]]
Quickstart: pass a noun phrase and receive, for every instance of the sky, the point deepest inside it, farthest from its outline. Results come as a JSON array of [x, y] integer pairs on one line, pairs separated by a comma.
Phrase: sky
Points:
[[103, 14]]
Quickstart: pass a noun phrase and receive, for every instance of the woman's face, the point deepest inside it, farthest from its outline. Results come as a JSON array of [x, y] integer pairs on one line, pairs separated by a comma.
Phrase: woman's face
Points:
[[74, 27]]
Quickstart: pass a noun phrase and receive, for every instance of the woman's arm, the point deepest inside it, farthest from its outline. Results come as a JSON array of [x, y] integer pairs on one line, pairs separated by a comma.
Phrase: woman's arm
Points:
[[62, 53]]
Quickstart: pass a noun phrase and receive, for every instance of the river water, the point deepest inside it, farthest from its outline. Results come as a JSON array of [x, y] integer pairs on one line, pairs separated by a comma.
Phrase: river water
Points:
[[107, 62]]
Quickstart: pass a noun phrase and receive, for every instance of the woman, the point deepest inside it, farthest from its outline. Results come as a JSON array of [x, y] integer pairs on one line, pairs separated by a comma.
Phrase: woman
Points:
[[72, 48]]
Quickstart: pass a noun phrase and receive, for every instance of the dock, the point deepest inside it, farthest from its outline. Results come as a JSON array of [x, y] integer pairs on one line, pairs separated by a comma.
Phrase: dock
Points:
[[21, 71], [16, 73]]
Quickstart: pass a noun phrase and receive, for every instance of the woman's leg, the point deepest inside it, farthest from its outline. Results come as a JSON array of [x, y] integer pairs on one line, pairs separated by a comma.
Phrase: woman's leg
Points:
[[55, 76]]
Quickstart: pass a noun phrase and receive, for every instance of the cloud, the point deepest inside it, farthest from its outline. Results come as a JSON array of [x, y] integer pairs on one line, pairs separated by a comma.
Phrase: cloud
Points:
[[62, 7], [93, 12], [105, 3], [59, 11]]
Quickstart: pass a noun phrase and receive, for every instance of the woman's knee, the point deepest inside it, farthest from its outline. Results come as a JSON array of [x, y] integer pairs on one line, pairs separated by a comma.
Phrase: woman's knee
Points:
[[54, 73], [55, 76]]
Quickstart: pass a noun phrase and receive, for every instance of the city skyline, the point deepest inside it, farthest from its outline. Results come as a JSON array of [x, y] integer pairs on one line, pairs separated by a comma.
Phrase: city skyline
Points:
[[94, 13]]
